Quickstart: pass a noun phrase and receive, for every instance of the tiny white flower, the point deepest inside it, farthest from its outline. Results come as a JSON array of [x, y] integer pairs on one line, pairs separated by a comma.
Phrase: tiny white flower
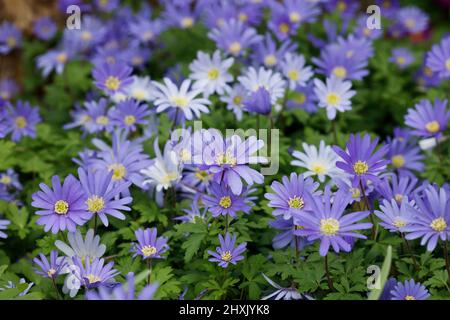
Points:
[[141, 89], [321, 163], [294, 69], [234, 99], [272, 81], [168, 95], [334, 95], [211, 73]]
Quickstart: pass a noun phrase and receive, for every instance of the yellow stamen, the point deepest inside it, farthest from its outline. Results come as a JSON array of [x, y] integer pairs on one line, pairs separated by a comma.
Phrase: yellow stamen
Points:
[[119, 171], [187, 22], [5, 179], [447, 64], [293, 75], [333, 99], [341, 6], [102, 120], [439, 224], [270, 60], [360, 167], [294, 17], [340, 72], [225, 202], [433, 126], [93, 278], [129, 120], [356, 193], [20, 122], [61, 58], [284, 28], [226, 158], [408, 297], [318, 169], [185, 155], [401, 60], [148, 251], [112, 83], [11, 42], [296, 202], [213, 73], [398, 161], [95, 204], [226, 256], [300, 98], [237, 100], [399, 223], [398, 197], [235, 47], [51, 272], [86, 35], [179, 101], [243, 17], [329, 226], [61, 207]]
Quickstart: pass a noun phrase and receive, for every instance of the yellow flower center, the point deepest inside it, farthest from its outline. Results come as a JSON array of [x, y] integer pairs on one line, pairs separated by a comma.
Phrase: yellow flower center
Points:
[[137, 60], [225, 202], [187, 22], [51, 272], [297, 227], [293, 75], [333, 99], [95, 204], [329, 226], [86, 35], [284, 28], [367, 32], [20, 122], [61, 58], [409, 23], [139, 94], [433, 126], [5, 179], [148, 35], [438, 224], [5, 95], [340, 72], [400, 60], [300, 98], [408, 297], [213, 73], [112, 83], [294, 17], [398, 197], [185, 155], [447, 64], [201, 174], [356, 193], [296, 202], [169, 177], [243, 17], [360, 167], [61, 207], [148, 251], [226, 158], [102, 120], [237, 100], [398, 161], [129, 120], [11, 42], [399, 223], [428, 72], [270, 60], [179, 101], [93, 278], [119, 171], [226, 256], [341, 6], [235, 47], [318, 169]]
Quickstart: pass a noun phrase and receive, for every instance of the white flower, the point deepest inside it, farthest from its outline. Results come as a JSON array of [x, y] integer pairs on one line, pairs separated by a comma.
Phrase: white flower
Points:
[[165, 170], [293, 68], [89, 247], [118, 97], [169, 96], [141, 89], [334, 95], [211, 74], [270, 80], [234, 99], [321, 163]]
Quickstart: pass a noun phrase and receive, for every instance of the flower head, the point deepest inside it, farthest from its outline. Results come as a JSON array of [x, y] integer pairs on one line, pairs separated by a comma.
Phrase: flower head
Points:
[[294, 69], [129, 113], [428, 120], [438, 58], [93, 274], [10, 37], [112, 77], [402, 57], [44, 28], [258, 102], [22, 120], [334, 95], [223, 201], [271, 81], [227, 252], [49, 268], [395, 216], [412, 19], [3, 226], [409, 290], [149, 246]]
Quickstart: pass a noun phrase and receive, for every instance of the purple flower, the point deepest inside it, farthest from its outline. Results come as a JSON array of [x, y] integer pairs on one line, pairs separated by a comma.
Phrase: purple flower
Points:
[[146, 30], [10, 37], [193, 212], [127, 114], [412, 19], [360, 159], [8, 89], [149, 246], [438, 58], [402, 57], [389, 285], [3, 226], [427, 120], [258, 102], [94, 273], [290, 293], [303, 98], [63, 207], [112, 78], [53, 60], [45, 28], [405, 156], [395, 216], [227, 252], [287, 236], [409, 290], [328, 223], [106, 6], [290, 197], [50, 268], [180, 15], [362, 31], [10, 179], [346, 8], [92, 118], [103, 198], [124, 291], [223, 201], [301, 11], [396, 188], [431, 219], [280, 24], [22, 120], [266, 52]]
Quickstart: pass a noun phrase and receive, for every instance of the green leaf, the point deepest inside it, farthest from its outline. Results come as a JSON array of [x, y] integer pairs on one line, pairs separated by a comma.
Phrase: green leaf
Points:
[[385, 269]]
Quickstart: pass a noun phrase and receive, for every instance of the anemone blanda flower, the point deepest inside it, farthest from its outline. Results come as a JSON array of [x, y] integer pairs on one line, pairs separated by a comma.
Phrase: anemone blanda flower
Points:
[[281, 293], [395, 215], [193, 212], [102, 198], [409, 290], [11, 285], [222, 201], [402, 57], [168, 95], [258, 102], [272, 81], [431, 219], [106, 6], [22, 120], [146, 30], [44, 28], [294, 69], [141, 89], [303, 98], [53, 60], [328, 223], [412, 19], [130, 113], [149, 245], [301, 11], [320, 162], [360, 159], [397, 187], [210, 73], [362, 31], [125, 291], [334, 95], [49, 268], [10, 37], [438, 58], [10, 179], [234, 37], [290, 197], [95, 273], [227, 252], [61, 208], [8, 88], [428, 120], [180, 14], [287, 237], [268, 53], [234, 98], [94, 117], [112, 77], [280, 23], [3, 226], [405, 156]]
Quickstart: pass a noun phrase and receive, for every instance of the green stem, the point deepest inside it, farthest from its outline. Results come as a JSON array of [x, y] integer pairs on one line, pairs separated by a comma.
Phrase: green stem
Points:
[[408, 247], [327, 272], [149, 267], [447, 263], [366, 201], [56, 289]]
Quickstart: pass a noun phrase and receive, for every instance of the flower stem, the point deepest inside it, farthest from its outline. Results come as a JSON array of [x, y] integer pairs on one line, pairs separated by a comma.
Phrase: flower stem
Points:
[[366, 201], [327, 272], [174, 124], [149, 266], [408, 247], [447, 263], [334, 129], [56, 289], [95, 224]]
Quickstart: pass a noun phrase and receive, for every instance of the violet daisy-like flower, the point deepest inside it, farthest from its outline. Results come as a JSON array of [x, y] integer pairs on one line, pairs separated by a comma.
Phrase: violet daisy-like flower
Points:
[[129, 113], [10, 37], [432, 217], [234, 99], [125, 291], [106, 5], [227, 252], [62, 207], [8, 89], [281, 293], [180, 15], [3, 226], [395, 216], [294, 69], [49, 268], [438, 58], [149, 245], [397, 187], [409, 290], [360, 159], [412, 19], [222, 201], [102, 197], [22, 120], [146, 30], [405, 156], [280, 23], [303, 98], [268, 53], [402, 57], [94, 117], [258, 102], [10, 179], [112, 78], [428, 120], [44, 28], [327, 222], [287, 236], [301, 11], [95, 273], [290, 197], [53, 60]]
